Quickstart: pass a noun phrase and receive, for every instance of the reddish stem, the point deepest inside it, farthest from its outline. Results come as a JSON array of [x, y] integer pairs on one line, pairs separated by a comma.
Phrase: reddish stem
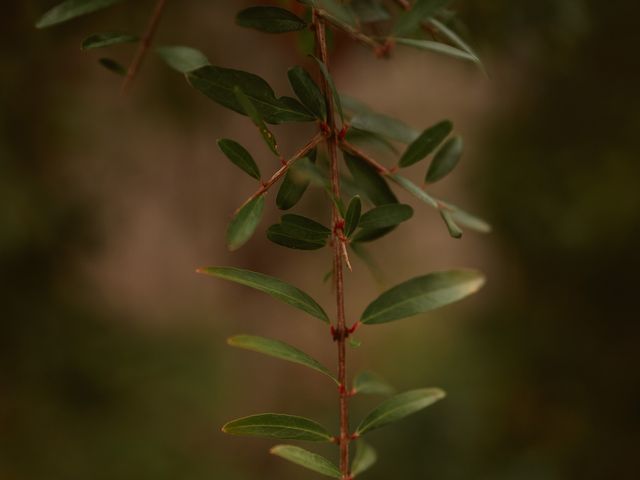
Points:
[[145, 45], [340, 331]]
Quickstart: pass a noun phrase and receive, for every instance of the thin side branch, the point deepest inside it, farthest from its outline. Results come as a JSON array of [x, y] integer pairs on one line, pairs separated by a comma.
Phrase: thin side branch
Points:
[[354, 33], [352, 149], [283, 169], [145, 45]]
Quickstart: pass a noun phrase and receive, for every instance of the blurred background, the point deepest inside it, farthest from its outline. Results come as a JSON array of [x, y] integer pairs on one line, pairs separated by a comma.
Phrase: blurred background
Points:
[[113, 363]]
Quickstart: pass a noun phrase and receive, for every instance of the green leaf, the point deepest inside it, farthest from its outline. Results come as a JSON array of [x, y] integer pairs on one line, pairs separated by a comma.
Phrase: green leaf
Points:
[[385, 126], [445, 160], [276, 425], [307, 459], [437, 47], [182, 59], [294, 184], [365, 458], [409, 21], [239, 156], [359, 137], [371, 234], [371, 384], [452, 226], [72, 9], [307, 91], [426, 143], [281, 350], [250, 109], [422, 294], [370, 11], [352, 218], [334, 9], [270, 20], [244, 223], [277, 234], [332, 86], [369, 180], [467, 220], [113, 66], [271, 286], [106, 39], [454, 38], [304, 228], [414, 190], [386, 216], [218, 84], [399, 407]]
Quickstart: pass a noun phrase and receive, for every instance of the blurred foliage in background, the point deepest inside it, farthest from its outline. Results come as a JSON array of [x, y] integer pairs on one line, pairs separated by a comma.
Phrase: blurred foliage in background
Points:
[[545, 378]]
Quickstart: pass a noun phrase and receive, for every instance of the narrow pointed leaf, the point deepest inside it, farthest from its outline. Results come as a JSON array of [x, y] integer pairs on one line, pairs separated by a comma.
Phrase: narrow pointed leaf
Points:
[[422, 294], [467, 220], [414, 190], [409, 21], [244, 223], [107, 39], [454, 38], [308, 92], [369, 180], [426, 143], [364, 459], [307, 459], [281, 350], [454, 230], [332, 86], [218, 84], [385, 126], [182, 59], [386, 216], [437, 47], [270, 20], [271, 286], [352, 218], [445, 160], [277, 425], [252, 112], [113, 66], [278, 235], [294, 184], [71, 9], [239, 156], [371, 384], [399, 407], [305, 228]]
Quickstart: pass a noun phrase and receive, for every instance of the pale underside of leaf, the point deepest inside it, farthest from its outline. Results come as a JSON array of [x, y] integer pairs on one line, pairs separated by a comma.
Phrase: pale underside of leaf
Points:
[[307, 459], [277, 425]]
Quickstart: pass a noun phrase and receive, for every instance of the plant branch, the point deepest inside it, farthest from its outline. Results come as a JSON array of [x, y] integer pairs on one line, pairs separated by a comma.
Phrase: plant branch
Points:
[[341, 332], [145, 45], [352, 149], [354, 33], [286, 164]]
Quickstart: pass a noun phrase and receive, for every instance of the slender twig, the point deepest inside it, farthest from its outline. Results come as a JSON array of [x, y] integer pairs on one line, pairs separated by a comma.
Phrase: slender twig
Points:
[[349, 30], [340, 332], [286, 164], [352, 149], [145, 45]]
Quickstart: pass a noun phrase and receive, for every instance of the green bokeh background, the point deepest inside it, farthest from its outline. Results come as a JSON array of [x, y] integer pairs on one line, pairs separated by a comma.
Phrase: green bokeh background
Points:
[[106, 379]]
